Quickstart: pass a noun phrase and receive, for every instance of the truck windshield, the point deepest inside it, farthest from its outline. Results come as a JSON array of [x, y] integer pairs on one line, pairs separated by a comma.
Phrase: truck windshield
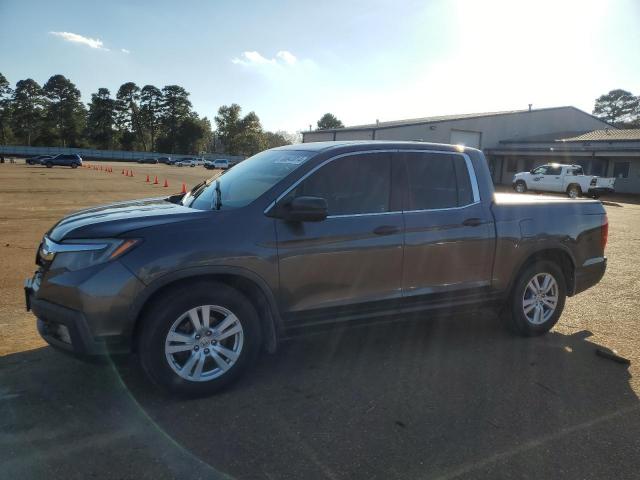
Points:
[[246, 181]]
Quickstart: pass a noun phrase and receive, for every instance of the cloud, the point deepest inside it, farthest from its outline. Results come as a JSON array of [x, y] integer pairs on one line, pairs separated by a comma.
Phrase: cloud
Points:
[[253, 58], [286, 57], [124, 50], [75, 38]]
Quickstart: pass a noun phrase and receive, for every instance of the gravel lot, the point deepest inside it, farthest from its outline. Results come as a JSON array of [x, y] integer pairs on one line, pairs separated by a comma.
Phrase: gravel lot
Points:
[[455, 398]]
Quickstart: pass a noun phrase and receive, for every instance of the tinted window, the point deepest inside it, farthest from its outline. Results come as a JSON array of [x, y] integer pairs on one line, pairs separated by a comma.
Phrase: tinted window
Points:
[[352, 185], [554, 170], [540, 170], [437, 181]]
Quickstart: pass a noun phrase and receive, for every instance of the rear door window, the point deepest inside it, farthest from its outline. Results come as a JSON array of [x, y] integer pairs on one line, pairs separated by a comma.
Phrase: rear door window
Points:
[[437, 181]]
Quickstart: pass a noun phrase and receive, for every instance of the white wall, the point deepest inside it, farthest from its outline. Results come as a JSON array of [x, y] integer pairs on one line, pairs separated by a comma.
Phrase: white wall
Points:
[[317, 136]]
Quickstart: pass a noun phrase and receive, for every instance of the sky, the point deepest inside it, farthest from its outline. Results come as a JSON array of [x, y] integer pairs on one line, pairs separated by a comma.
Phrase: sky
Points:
[[292, 61]]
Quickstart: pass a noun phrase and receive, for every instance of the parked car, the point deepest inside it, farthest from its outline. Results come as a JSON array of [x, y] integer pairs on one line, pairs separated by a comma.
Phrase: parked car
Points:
[[556, 177], [63, 160], [220, 163], [148, 160], [37, 160], [307, 235], [166, 160], [186, 162]]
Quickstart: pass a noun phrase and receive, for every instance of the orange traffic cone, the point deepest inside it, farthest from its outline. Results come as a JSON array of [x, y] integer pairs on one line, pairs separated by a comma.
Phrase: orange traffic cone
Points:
[[166, 184], [155, 182], [147, 179], [184, 188], [123, 171]]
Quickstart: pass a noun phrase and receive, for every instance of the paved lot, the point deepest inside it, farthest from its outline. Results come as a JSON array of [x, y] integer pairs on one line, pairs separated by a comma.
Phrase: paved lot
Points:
[[455, 398]]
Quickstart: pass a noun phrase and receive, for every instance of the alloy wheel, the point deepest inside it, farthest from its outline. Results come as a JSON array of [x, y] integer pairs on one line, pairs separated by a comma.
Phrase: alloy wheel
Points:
[[540, 298], [204, 343]]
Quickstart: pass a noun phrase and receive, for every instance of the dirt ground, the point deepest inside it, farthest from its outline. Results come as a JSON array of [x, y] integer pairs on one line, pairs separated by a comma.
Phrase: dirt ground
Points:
[[457, 398]]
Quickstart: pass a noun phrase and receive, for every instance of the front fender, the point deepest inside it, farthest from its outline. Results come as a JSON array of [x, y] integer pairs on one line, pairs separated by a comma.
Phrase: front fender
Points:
[[274, 324]]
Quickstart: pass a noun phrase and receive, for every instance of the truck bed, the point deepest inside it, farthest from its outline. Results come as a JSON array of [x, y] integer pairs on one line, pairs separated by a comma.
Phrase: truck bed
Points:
[[520, 199]]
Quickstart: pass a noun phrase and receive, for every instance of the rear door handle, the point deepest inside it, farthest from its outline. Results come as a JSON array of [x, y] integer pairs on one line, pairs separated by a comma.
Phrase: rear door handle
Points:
[[472, 222], [386, 230]]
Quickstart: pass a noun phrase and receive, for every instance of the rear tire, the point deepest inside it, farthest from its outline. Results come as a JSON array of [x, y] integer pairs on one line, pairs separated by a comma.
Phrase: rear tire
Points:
[[49, 165], [74, 165], [534, 311], [520, 187], [200, 361]]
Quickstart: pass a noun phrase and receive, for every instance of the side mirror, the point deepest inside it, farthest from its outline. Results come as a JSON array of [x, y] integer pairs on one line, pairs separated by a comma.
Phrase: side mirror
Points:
[[303, 209]]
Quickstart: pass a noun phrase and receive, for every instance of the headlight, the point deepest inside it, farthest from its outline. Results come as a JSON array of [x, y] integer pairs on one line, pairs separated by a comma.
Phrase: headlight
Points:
[[78, 254]]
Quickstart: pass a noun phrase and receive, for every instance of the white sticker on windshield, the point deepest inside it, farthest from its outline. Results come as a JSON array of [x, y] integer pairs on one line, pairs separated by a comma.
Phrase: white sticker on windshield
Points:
[[297, 160]]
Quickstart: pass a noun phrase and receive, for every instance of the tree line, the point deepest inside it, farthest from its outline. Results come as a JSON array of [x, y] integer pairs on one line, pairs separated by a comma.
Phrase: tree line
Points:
[[143, 119]]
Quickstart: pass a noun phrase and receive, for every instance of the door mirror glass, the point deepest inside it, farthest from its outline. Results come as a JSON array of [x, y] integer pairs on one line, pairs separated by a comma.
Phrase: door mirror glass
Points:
[[303, 209]]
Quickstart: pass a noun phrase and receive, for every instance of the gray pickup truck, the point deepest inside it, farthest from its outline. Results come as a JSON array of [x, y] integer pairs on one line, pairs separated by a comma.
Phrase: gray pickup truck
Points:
[[307, 235]]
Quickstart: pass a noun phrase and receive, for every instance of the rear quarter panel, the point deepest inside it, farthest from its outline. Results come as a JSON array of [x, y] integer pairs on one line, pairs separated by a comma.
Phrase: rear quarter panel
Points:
[[526, 225]]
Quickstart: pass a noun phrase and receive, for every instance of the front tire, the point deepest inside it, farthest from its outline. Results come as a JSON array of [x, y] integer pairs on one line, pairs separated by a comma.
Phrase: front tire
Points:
[[49, 165], [520, 187], [196, 340], [537, 299]]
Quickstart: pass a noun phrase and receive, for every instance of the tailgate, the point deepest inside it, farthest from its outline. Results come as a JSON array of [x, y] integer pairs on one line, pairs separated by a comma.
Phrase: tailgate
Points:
[[605, 182]]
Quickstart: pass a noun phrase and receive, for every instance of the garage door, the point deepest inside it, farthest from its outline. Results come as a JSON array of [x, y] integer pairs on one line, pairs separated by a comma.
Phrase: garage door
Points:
[[466, 138]]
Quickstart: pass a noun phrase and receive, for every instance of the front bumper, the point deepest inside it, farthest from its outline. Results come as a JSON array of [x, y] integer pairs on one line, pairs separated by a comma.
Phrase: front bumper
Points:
[[86, 313], [61, 327]]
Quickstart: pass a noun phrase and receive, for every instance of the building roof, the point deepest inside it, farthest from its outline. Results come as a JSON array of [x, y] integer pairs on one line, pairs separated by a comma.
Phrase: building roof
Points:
[[443, 118], [545, 137], [606, 135]]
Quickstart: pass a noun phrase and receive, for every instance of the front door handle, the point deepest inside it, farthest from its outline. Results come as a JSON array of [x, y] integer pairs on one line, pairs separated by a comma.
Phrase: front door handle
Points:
[[472, 222], [386, 230]]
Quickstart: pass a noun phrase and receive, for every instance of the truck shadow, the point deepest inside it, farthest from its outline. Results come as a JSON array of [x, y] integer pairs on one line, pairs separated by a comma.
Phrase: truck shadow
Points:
[[444, 398]]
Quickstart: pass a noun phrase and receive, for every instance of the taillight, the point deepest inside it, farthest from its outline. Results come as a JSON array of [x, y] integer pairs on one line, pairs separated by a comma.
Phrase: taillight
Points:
[[604, 232]]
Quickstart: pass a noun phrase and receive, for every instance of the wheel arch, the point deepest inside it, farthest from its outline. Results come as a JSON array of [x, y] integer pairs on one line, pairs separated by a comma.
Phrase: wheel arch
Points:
[[559, 255], [253, 287]]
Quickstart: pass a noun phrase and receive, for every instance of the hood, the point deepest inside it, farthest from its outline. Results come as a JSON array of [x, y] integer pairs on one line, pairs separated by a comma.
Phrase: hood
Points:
[[117, 218]]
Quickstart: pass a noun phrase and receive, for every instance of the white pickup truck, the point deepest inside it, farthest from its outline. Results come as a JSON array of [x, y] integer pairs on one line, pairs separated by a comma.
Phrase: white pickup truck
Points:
[[555, 177]]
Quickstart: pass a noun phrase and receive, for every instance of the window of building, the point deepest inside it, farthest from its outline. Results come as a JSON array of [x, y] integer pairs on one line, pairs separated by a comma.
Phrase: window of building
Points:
[[352, 185], [437, 181], [621, 170], [529, 163]]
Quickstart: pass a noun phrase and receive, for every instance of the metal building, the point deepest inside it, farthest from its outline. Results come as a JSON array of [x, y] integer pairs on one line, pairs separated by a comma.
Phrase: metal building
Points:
[[518, 140]]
